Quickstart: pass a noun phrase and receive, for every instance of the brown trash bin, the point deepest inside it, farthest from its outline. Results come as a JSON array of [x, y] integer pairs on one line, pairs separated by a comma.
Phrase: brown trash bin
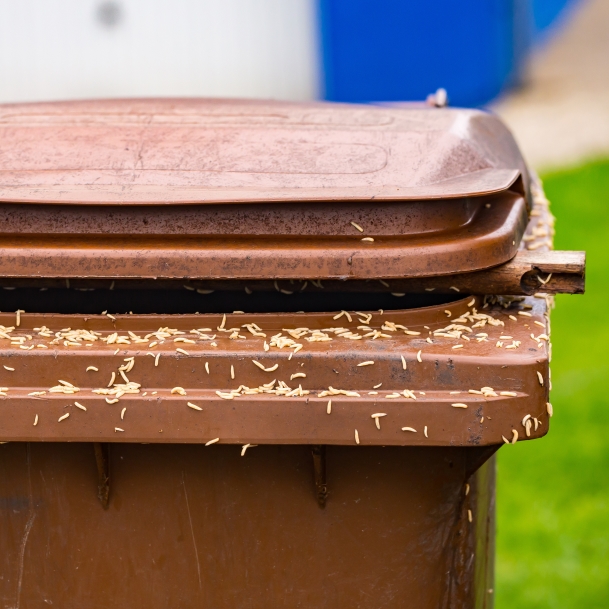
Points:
[[319, 324]]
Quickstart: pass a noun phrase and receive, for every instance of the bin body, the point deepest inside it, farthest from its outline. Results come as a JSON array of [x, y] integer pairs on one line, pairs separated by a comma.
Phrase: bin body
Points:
[[188, 526], [261, 354]]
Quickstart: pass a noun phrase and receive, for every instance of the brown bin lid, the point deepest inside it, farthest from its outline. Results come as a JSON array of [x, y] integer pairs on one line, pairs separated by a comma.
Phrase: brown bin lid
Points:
[[436, 191], [209, 151]]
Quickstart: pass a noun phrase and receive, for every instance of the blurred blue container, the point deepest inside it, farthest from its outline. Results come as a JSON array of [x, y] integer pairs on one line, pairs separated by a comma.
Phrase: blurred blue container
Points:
[[396, 50]]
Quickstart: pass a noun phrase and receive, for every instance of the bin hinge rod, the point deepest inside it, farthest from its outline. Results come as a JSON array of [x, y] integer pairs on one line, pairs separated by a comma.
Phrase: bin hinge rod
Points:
[[319, 470], [103, 473]]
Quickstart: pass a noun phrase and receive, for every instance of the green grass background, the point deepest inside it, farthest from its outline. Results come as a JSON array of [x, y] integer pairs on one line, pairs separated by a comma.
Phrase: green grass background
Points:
[[553, 493]]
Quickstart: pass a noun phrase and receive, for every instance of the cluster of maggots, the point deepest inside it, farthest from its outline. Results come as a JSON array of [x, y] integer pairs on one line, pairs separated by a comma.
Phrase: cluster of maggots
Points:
[[460, 328]]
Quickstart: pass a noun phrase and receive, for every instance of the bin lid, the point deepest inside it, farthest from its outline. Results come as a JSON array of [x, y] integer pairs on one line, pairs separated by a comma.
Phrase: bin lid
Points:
[[168, 151], [430, 190]]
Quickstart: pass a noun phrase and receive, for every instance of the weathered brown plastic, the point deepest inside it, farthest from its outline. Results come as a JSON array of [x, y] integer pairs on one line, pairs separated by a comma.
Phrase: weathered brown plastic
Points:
[[202, 151], [490, 238], [122, 504], [190, 526], [523, 275], [244, 190], [306, 517], [271, 419]]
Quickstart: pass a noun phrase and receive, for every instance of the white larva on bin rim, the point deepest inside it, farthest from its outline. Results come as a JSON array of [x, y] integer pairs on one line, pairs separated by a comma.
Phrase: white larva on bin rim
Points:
[[425, 431], [329, 407], [505, 440], [376, 416], [232, 372], [245, 447], [459, 405], [112, 379], [212, 442], [540, 378], [63, 417], [356, 437], [511, 394], [261, 366], [367, 363], [457, 347], [111, 401], [178, 390], [345, 313], [193, 406], [207, 367], [156, 359], [123, 411], [409, 429], [9, 368], [514, 436], [92, 369], [549, 409], [118, 429], [79, 405], [403, 362], [36, 420], [359, 228], [369, 239], [182, 351]]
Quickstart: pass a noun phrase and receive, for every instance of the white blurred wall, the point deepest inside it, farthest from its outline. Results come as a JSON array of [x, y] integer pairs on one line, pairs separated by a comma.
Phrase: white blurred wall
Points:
[[59, 49]]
